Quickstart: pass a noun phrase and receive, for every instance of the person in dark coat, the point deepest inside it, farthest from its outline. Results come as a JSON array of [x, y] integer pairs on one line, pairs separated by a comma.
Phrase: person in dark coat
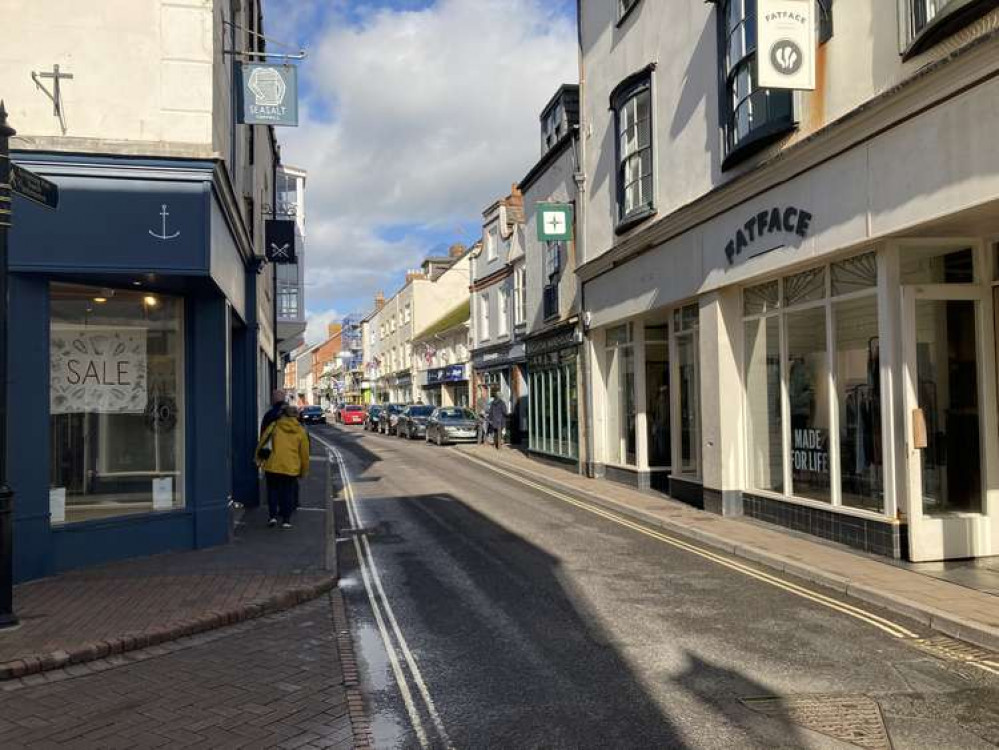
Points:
[[274, 413], [496, 417]]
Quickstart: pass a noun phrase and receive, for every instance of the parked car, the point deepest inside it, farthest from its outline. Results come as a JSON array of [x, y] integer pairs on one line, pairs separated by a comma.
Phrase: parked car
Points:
[[386, 425], [311, 415], [413, 421], [372, 416], [452, 424], [350, 414]]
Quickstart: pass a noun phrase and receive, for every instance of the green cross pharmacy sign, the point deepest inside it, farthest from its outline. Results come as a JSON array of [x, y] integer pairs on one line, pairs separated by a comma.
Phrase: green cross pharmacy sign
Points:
[[554, 222]]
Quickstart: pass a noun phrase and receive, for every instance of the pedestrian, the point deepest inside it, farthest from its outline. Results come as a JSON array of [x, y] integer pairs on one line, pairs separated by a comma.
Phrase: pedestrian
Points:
[[278, 399], [283, 454], [496, 415]]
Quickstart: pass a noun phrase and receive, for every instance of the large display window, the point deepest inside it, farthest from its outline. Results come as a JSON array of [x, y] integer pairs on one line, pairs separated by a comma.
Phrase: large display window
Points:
[[116, 403], [620, 379], [812, 379], [554, 404], [688, 379]]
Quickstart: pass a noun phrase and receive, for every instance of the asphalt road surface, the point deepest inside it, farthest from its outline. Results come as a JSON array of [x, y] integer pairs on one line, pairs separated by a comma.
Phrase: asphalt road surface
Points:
[[488, 613]]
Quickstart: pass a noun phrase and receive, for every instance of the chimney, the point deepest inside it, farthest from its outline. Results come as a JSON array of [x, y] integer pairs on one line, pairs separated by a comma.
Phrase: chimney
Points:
[[456, 250], [515, 206], [414, 276], [379, 300], [333, 329]]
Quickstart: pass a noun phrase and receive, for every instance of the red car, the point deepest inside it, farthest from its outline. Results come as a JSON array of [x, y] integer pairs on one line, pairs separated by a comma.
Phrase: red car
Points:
[[351, 414]]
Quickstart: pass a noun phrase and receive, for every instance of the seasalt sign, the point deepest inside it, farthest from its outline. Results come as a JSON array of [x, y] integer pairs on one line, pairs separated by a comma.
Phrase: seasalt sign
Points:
[[790, 220]]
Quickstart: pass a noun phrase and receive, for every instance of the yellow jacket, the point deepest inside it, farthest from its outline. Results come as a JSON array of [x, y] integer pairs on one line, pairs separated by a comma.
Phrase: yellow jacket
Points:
[[290, 454]]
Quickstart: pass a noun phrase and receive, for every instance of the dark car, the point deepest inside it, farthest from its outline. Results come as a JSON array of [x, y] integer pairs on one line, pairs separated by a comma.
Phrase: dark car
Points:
[[311, 415], [387, 423], [413, 422], [373, 415], [453, 424]]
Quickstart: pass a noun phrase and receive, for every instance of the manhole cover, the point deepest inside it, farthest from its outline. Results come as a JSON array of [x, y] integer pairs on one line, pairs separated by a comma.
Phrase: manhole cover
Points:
[[851, 718]]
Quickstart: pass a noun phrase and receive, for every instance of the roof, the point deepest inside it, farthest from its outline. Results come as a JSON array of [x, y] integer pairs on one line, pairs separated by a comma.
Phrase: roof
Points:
[[451, 319]]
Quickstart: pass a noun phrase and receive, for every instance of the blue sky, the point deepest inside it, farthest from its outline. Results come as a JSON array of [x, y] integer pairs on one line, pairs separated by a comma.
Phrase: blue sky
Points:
[[415, 115]]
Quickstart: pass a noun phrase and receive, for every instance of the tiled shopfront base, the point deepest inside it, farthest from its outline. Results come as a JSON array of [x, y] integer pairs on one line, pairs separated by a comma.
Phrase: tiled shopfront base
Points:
[[865, 534]]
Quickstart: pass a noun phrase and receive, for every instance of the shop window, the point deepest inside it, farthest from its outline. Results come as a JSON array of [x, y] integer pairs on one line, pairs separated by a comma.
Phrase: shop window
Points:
[[621, 443], [657, 395], [116, 403], [685, 325], [632, 104], [827, 383], [935, 265], [925, 23], [752, 117]]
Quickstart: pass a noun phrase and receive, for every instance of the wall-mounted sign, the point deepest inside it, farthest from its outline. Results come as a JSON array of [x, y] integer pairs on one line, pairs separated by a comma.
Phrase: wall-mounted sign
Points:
[[269, 94], [756, 236], [97, 370], [554, 222], [786, 44], [279, 236], [449, 374], [34, 187]]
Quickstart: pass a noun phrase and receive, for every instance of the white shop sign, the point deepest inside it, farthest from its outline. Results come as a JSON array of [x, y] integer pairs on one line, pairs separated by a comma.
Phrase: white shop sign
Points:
[[98, 370], [786, 44]]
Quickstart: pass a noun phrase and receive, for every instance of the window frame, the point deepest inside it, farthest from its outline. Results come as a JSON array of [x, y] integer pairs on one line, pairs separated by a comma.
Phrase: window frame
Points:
[[503, 311], [632, 87], [951, 18], [492, 243], [624, 10]]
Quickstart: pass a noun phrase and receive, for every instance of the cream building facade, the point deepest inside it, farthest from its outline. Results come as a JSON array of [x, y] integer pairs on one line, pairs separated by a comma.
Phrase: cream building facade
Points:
[[789, 295]]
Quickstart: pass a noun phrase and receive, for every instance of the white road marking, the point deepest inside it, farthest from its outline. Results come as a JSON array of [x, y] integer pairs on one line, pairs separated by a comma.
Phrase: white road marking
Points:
[[373, 582]]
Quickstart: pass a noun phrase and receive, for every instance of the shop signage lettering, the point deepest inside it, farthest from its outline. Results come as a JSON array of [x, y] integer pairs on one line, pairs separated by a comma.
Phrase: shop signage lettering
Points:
[[790, 220], [811, 452], [269, 94], [98, 370]]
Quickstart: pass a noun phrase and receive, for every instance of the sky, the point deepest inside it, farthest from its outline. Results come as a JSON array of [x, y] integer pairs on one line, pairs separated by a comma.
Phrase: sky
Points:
[[414, 116]]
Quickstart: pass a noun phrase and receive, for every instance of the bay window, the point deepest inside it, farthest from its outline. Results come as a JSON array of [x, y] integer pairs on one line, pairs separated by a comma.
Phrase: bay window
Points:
[[928, 22], [632, 104]]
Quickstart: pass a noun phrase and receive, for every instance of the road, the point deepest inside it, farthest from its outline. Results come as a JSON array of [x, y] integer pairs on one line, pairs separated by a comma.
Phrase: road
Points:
[[492, 614]]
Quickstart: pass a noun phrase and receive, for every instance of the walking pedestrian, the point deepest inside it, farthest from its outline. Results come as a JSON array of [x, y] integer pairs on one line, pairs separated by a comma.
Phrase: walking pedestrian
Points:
[[496, 415], [283, 454], [278, 399]]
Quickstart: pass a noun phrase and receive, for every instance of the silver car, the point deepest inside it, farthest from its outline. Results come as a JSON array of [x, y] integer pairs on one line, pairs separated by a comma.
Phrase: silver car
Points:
[[452, 424]]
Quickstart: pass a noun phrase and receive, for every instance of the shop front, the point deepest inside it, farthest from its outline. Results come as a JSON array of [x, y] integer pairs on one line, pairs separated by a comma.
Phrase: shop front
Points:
[[503, 370], [446, 386], [818, 357], [135, 361], [553, 377]]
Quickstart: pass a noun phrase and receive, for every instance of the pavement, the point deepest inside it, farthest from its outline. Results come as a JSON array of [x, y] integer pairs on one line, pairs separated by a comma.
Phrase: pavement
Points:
[[493, 610], [961, 601]]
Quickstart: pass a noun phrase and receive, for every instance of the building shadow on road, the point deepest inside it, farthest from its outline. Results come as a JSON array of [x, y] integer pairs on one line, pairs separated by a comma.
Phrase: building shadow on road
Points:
[[505, 637]]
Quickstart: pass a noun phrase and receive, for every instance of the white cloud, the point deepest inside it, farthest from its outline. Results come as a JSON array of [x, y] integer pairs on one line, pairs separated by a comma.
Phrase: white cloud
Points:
[[317, 329], [434, 116]]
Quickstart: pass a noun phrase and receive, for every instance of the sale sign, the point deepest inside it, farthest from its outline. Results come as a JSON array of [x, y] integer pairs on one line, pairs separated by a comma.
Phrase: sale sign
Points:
[[98, 370]]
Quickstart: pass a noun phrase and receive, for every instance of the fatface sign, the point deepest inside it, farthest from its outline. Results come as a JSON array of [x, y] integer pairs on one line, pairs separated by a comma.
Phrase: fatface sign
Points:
[[776, 221], [554, 222], [279, 235], [269, 94], [786, 44], [97, 370]]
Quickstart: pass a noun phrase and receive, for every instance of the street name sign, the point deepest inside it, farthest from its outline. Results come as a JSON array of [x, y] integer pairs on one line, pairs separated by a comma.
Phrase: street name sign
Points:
[[554, 222], [34, 187]]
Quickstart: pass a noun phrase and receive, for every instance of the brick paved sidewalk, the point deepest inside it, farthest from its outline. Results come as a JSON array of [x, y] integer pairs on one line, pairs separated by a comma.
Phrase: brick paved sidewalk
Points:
[[274, 682], [953, 609], [88, 614]]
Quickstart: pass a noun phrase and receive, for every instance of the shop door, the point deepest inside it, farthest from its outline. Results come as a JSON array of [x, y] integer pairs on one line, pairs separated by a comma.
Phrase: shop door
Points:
[[949, 447]]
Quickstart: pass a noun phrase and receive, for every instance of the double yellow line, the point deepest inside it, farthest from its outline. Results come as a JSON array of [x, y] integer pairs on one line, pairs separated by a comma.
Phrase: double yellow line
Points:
[[891, 628]]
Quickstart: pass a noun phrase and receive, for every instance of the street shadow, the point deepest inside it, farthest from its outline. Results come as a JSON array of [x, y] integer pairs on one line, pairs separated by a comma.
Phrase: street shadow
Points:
[[549, 672]]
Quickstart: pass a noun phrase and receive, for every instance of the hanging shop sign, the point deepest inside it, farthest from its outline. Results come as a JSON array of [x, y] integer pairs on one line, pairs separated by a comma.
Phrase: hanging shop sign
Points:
[[768, 230], [269, 94], [786, 44], [279, 236], [97, 370], [554, 222]]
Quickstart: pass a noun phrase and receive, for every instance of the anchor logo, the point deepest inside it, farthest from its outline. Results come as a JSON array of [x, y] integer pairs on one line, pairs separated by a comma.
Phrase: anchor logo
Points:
[[163, 232]]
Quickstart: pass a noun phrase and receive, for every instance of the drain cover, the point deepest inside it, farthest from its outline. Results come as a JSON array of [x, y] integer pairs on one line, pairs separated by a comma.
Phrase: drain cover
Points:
[[851, 718]]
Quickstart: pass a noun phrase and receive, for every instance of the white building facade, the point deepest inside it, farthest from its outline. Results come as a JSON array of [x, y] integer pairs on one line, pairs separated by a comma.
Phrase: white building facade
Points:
[[790, 295]]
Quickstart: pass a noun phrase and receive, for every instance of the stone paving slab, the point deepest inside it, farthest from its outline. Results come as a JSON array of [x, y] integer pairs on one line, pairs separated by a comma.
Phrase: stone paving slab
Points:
[[950, 608], [112, 609], [273, 682]]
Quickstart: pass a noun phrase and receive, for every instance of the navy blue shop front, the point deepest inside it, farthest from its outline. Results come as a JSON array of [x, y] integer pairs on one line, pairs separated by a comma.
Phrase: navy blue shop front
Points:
[[139, 227]]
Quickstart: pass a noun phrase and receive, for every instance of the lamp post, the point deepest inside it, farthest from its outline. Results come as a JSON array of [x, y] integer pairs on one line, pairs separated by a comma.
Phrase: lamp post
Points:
[[7, 617]]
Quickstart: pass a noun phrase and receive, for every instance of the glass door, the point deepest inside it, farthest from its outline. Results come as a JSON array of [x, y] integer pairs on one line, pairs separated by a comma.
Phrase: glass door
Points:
[[947, 401]]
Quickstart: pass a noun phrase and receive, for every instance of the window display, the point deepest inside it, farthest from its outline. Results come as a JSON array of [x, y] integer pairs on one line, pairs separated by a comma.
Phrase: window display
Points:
[[116, 403], [621, 443]]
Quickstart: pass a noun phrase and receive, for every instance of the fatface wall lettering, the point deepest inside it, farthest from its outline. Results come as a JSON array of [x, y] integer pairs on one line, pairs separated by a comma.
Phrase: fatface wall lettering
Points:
[[98, 370], [790, 220]]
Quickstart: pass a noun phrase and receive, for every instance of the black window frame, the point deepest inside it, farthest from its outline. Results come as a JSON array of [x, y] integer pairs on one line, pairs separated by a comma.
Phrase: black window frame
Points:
[[954, 16], [630, 88], [624, 10], [779, 119]]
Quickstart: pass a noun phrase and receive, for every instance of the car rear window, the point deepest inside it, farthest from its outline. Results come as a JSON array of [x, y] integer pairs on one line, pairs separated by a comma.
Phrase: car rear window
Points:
[[421, 411], [456, 414], [355, 408]]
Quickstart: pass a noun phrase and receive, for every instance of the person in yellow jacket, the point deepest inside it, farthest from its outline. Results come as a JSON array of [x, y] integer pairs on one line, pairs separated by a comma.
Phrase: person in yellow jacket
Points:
[[283, 454]]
